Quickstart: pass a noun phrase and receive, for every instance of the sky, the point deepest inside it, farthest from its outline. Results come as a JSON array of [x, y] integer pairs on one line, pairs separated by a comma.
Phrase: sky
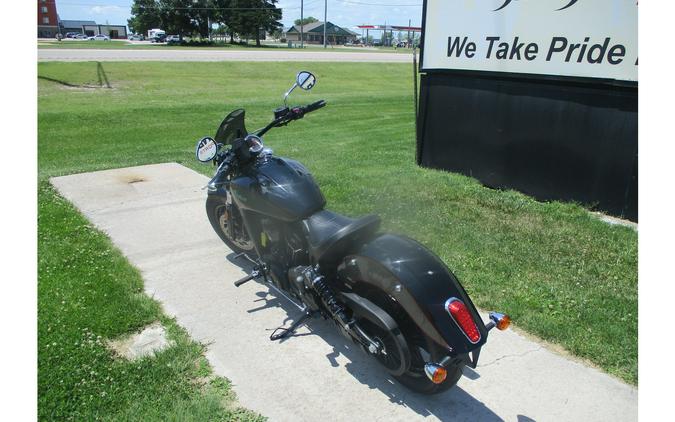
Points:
[[347, 13]]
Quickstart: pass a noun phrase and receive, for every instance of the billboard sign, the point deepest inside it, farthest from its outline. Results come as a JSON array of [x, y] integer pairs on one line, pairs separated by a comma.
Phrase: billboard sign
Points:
[[578, 38]]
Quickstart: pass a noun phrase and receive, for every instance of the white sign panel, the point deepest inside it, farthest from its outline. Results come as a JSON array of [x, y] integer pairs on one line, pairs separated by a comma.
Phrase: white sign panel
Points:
[[583, 38]]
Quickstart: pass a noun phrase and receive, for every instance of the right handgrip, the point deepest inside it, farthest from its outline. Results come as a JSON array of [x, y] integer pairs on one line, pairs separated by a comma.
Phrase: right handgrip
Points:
[[315, 106]]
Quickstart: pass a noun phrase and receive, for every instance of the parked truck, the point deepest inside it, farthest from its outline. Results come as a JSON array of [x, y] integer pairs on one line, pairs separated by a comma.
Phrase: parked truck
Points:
[[152, 33]]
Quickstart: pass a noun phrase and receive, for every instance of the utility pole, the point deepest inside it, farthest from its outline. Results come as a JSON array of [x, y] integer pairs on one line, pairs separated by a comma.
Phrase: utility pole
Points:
[[302, 24], [409, 44], [325, 21]]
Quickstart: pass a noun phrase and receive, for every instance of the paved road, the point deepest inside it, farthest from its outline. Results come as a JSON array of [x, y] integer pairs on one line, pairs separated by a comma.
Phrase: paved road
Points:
[[53, 54], [155, 215]]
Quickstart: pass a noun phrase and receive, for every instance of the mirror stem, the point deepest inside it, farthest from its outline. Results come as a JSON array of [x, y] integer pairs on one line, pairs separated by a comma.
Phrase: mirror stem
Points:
[[289, 93]]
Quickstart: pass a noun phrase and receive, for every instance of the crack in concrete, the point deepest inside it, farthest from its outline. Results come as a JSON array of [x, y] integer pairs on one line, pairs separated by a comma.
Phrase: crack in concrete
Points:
[[517, 355]]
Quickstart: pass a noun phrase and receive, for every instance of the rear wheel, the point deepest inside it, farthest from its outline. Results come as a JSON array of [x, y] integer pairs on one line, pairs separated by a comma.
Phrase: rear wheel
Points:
[[416, 380], [419, 346], [393, 349], [221, 219]]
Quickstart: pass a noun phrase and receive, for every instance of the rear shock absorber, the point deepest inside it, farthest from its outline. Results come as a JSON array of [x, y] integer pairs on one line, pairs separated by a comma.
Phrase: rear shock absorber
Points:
[[327, 295]]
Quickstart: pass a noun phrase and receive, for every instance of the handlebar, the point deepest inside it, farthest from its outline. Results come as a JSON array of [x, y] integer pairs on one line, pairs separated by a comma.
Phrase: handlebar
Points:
[[299, 112], [314, 106], [285, 115]]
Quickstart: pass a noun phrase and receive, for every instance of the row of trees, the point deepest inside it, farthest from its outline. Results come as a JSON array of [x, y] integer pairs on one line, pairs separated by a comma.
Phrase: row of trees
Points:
[[246, 18]]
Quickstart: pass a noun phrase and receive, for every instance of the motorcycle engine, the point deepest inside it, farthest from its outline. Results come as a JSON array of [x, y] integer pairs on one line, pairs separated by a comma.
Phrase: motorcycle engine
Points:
[[300, 279]]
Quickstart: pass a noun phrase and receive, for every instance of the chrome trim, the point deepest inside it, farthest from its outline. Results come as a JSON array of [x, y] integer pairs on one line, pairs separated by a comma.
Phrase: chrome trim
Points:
[[454, 299]]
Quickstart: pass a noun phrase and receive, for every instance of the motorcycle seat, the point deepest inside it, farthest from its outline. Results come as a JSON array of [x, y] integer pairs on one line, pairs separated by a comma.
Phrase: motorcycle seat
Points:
[[330, 235]]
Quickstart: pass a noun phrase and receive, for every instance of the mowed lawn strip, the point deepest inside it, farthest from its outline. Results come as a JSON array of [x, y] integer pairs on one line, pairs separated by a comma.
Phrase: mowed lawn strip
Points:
[[88, 294], [561, 273], [124, 45]]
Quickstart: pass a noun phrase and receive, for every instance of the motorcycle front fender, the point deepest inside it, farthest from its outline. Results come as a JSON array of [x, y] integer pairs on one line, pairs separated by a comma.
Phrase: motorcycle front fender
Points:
[[420, 282]]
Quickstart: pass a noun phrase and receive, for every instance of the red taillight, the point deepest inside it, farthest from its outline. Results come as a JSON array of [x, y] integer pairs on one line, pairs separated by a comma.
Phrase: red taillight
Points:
[[459, 312]]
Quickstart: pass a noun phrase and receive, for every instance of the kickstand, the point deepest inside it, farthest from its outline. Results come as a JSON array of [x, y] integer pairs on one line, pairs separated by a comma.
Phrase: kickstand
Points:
[[286, 332]]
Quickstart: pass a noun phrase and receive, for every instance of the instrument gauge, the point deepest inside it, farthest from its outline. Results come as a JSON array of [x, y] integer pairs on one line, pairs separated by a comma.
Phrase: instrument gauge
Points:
[[255, 144]]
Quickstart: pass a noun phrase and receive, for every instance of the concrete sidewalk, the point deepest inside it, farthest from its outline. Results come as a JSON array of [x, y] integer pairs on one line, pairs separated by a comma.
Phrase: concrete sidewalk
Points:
[[155, 215]]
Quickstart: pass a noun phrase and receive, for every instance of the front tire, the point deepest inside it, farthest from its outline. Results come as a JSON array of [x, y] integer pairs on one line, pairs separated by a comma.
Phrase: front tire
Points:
[[220, 219]]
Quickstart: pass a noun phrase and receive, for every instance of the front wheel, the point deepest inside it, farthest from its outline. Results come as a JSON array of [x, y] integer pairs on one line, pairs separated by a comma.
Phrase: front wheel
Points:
[[221, 216]]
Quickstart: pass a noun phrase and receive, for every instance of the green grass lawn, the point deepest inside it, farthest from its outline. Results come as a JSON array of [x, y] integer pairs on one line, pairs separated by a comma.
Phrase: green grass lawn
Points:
[[87, 294], [562, 274]]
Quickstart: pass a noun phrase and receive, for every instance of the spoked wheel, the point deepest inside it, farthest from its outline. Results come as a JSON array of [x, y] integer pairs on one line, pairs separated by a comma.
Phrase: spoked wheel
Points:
[[220, 219]]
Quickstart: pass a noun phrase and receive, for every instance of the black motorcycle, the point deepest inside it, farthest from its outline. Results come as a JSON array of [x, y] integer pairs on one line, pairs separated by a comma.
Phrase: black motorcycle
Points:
[[387, 293]]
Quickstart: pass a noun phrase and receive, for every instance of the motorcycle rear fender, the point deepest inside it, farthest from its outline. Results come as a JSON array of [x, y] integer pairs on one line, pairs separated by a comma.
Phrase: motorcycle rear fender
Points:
[[420, 282]]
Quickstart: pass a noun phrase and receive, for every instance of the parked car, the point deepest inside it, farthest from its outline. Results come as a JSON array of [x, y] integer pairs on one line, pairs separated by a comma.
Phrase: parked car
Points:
[[80, 37], [136, 37], [99, 37], [173, 39], [72, 34], [158, 38]]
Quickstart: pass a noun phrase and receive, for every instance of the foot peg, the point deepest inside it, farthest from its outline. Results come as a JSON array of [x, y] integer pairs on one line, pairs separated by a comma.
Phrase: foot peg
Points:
[[258, 271]]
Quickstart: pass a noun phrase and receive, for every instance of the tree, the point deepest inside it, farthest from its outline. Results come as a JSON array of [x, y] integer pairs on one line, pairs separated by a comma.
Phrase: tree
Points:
[[254, 17], [177, 16], [305, 21], [202, 13], [223, 15], [144, 16]]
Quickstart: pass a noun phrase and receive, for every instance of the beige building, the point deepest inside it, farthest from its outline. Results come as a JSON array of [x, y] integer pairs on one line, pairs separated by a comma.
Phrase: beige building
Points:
[[313, 34]]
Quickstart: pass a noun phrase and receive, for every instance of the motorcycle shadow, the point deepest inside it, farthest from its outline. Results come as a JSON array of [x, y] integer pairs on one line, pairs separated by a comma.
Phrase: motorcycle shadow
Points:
[[454, 404]]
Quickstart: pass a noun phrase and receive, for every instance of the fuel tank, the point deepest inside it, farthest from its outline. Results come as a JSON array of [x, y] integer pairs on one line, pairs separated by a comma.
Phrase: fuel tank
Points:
[[278, 187]]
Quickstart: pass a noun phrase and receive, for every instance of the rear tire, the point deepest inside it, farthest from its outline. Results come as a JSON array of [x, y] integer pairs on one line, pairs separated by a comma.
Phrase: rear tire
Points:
[[417, 380], [414, 378], [218, 217]]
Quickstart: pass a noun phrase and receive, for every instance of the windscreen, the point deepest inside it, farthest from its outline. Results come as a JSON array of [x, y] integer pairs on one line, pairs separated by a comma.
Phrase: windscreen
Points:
[[232, 127]]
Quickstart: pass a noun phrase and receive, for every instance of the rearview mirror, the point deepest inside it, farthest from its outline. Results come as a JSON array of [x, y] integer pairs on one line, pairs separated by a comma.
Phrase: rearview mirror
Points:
[[206, 149], [305, 80]]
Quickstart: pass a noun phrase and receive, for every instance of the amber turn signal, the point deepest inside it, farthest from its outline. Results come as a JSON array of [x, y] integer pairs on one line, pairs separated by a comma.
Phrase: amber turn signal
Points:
[[436, 373], [501, 321]]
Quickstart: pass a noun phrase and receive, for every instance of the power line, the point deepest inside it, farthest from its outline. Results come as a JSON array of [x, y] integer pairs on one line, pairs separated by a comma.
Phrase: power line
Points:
[[177, 8], [245, 8], [379, 4]]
